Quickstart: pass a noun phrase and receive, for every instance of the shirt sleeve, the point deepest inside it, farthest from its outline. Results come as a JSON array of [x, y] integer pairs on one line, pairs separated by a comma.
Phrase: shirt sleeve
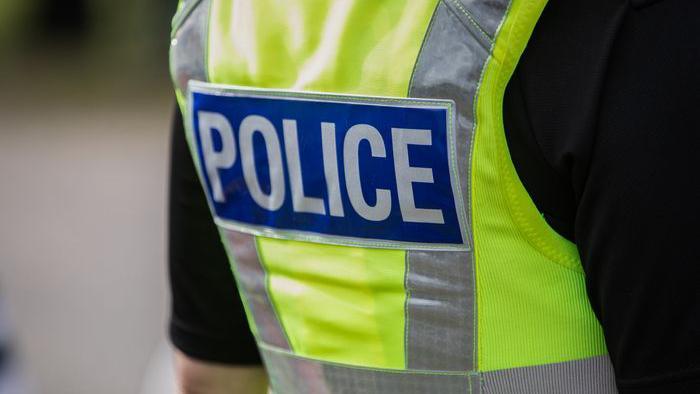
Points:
[[207, 318], [609, 149], [637, 220]]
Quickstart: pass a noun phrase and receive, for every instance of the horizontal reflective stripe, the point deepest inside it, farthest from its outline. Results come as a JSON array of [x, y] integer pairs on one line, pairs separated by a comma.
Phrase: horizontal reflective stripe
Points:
[[588, 376], [290, 374]]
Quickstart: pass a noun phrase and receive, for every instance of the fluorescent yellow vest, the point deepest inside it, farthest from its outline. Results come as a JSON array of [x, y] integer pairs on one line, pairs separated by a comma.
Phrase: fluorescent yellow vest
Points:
[[508, 315]]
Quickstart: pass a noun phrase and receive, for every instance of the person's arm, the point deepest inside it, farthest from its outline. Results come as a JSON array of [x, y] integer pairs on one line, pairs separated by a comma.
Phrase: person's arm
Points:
[[201, 377], [639, 207], [216, 352], [603, 128]]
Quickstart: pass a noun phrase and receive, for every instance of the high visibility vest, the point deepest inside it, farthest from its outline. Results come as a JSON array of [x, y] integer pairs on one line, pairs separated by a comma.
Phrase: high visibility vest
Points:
[[354, 156]]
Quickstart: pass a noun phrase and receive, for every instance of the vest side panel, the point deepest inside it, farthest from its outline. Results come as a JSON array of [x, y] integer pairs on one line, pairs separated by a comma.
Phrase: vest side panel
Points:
[[532, 302]]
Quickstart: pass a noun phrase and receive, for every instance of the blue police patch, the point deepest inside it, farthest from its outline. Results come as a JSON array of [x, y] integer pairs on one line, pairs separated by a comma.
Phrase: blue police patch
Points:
[[350, 170]]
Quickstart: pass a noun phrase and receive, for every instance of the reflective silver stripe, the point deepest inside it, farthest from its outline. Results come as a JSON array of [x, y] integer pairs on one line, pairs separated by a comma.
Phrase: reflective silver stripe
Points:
[[189, 44], [252, 278], [184, 8], [188, 63], [589, 376], [294, 374], [440, 327], [486, 14], [441, 311]]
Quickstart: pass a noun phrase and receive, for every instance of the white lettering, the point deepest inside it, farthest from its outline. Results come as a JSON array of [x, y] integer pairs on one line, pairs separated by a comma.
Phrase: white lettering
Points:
[[216, 160], [330, 167], [407, 175], [249, 126], [300, 202], [351, 147]]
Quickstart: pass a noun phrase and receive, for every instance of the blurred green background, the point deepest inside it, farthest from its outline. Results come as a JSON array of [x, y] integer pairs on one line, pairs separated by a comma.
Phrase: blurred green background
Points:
[[85, 109], [103, 44]]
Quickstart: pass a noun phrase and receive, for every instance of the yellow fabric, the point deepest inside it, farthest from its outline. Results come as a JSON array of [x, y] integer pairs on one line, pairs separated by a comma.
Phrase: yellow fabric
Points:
[[362, 47], [339, 304], [345, 304], [532, 304]]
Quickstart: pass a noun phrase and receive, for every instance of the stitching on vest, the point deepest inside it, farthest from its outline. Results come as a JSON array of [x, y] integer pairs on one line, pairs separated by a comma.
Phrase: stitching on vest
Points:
[[182, 16], [206, 31], [471, 19], [420, 51], [274, 349], [273, 304], [407, 267]]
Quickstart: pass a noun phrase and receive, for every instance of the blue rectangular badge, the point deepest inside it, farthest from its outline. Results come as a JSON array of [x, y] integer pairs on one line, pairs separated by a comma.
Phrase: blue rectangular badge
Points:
[[349, 170]]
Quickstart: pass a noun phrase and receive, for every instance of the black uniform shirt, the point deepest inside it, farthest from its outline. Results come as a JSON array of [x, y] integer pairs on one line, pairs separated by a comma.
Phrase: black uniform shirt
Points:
[[602, 124]]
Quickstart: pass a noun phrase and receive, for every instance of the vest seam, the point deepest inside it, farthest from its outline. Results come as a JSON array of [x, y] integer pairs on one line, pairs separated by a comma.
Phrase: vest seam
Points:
[[471, 19], [273, 304], [536, 241], [182, 16], [207, 32], [420, 50], [558, 174], [509, 181], [470, 186], [289, 353], [532, 235], [405, 308], [476, 355], [464, 197], [477, 96], [245, 300]]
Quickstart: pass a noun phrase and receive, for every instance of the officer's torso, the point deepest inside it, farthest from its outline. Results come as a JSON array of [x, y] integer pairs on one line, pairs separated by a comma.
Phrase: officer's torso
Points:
[[354, 160]]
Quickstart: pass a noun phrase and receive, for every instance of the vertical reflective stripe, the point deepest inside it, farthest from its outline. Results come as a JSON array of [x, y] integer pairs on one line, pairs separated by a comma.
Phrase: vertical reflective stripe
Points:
[[188, 56], [189, 44], [449, 67], [440, 332], [294, 374], [587, 376], [441, 306], [252, 278]]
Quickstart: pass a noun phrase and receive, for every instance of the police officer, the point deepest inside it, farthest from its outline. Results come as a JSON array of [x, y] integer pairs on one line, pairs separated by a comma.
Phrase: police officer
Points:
[[448, 196]]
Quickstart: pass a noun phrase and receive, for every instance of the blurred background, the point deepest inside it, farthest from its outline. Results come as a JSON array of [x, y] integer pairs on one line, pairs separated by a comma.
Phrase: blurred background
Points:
[[85, 107]]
